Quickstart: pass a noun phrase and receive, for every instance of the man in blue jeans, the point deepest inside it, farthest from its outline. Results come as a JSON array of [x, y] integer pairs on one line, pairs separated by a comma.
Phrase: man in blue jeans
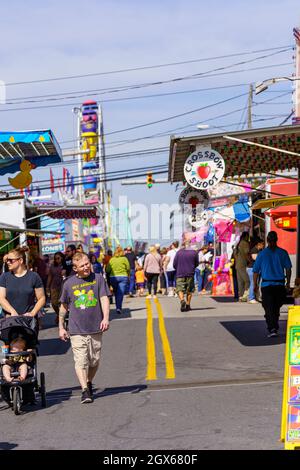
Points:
[[132, 262]]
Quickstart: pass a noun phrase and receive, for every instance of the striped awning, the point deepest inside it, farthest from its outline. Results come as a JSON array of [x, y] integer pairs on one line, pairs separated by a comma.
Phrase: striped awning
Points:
[[69, 212], [39, 147]]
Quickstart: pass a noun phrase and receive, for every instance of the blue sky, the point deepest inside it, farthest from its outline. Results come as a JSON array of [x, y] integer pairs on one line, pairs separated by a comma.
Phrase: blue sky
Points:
[[59, 38]]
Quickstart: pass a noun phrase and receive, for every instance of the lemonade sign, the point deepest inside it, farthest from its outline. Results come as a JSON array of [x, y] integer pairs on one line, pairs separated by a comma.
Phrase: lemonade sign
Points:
[[204, 168]]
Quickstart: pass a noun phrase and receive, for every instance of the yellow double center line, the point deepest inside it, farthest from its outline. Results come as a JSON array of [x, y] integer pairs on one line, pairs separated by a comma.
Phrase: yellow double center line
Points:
[[151, 356]]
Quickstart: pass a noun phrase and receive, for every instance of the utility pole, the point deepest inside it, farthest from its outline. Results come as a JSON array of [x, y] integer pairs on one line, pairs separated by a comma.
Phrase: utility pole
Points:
[[250, 101]]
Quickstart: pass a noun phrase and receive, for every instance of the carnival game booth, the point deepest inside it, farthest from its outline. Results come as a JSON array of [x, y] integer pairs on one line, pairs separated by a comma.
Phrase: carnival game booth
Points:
[[224, 216], [76, 220], [241, 154]]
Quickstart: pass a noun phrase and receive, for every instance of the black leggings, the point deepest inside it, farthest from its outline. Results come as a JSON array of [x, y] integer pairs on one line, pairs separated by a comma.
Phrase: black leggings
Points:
[[152, 279]]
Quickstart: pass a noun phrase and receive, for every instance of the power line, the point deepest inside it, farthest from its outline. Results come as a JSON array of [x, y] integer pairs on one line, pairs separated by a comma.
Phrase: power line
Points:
[[176, 115], [156, 95], [98, 180], [84, 178], [67, 95], [286, 48], [141, 86], [198, 122]]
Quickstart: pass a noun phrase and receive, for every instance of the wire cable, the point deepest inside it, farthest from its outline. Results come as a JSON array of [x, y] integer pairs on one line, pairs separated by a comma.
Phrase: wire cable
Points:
[[285, 48]]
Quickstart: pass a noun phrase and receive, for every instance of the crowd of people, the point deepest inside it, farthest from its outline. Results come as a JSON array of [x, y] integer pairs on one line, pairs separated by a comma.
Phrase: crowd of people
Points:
[[77, 282]]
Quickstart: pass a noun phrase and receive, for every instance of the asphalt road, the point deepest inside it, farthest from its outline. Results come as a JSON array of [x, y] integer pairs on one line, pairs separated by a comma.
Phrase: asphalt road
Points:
[[225, 393]]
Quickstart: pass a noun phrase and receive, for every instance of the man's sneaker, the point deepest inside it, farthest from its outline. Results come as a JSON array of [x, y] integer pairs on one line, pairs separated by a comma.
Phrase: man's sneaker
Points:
[[253, 301], [183, 306], [273, 334], [86, 396], [90, 388]]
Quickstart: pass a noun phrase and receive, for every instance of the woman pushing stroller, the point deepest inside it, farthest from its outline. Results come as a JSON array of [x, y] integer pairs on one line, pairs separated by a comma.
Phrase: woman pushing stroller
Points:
[[21, 291]]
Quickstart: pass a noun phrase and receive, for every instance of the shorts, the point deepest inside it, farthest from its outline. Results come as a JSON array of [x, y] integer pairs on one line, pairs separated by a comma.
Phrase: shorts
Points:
[[86, 350], [140, 285], [185, 285]]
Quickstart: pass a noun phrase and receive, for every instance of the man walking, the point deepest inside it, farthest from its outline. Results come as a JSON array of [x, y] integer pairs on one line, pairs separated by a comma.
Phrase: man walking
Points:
[[70, 252], [169, 267], [132, 262], [185, 263], [273, 265], [86, 296]]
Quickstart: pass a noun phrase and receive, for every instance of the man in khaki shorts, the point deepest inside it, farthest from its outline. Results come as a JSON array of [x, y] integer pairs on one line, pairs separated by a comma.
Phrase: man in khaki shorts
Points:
[[86, 297]]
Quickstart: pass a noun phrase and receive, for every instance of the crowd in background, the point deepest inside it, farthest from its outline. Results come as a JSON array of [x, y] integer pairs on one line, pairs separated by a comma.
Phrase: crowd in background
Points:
[[139, 273]]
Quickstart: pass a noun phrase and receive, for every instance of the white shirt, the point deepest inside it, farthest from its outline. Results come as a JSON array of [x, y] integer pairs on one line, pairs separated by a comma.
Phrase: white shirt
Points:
[[171, 254], [204, 258]]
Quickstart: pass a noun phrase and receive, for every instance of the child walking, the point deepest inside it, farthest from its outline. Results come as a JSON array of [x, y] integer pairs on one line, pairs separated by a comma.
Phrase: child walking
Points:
[[140, 280]]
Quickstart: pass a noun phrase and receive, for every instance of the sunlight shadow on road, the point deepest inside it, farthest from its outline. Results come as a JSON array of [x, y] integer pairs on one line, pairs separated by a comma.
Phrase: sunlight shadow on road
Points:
[[113, 315], [254, 332], [117, 390], [53, 347], [7, 445]]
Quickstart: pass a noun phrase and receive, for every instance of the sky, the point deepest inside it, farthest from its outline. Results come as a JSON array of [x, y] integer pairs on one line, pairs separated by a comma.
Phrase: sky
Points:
[[41, 41]]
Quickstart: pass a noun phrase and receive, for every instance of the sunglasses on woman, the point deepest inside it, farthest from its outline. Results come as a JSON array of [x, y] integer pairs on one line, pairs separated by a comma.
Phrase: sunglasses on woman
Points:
[[11, 260]]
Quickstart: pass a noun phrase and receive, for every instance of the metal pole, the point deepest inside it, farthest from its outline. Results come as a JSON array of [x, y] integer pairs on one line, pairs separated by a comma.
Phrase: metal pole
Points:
[[250, 100]]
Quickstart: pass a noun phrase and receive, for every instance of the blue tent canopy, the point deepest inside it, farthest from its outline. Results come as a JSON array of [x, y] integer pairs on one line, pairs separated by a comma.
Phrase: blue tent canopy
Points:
[[39, 147]]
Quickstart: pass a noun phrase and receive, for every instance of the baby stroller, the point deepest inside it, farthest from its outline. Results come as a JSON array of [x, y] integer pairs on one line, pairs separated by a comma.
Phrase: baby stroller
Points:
[[17, 393]]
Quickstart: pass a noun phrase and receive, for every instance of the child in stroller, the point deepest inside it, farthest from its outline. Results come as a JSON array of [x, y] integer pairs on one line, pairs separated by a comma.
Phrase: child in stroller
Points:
[[18, 370], [18, 362]]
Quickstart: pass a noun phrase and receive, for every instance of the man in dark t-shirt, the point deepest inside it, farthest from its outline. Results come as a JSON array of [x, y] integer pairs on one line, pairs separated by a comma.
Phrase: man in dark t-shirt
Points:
[[185, 263], [132, 261], [70, 252], [86, 296]]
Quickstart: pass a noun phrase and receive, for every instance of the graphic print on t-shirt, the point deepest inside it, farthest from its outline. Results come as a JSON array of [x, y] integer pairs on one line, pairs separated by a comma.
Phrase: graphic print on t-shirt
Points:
[[85, 298]]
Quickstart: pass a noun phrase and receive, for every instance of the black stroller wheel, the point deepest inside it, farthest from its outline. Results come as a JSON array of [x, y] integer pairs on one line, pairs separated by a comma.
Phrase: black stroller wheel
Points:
[[43, 390], [16, 401]]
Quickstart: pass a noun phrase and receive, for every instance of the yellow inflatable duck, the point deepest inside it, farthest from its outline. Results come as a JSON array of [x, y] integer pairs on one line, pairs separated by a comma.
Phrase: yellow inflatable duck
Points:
[[24, 178]]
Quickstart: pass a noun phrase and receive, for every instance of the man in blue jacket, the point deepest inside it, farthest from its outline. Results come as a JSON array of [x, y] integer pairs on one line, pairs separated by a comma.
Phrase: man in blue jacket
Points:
[[274, 267]]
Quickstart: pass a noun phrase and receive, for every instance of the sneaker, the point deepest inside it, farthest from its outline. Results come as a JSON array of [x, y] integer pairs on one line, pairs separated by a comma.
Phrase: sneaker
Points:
[[273, 334], [183, 306], [170, 294], [119, 311], [155, 297], [253, 301], [90, 388], [86, 396], [149, 296]]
